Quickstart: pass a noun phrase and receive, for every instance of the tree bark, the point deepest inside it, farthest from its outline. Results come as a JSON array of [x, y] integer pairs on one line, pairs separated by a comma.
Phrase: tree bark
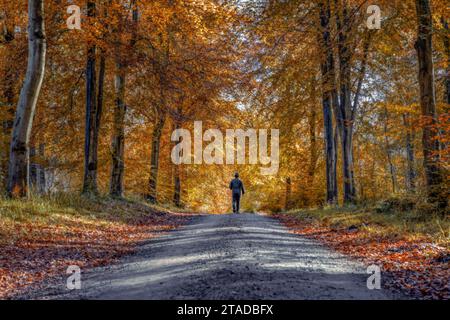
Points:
[[345, 111], [18, 171], [90, 145], [7, 125], [177, 187], [176, 168], [37, 170], [410, 158], [287, 200], [33, 185], [160, 117], [427, 102], [313, 155], [7, 109], [154, 161], [388, 152], [328, 95], [100, 95], [447, 51], [118, 140], [42, 181]]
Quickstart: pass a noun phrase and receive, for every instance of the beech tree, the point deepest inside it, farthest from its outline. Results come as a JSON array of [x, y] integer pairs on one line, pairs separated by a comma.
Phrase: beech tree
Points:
[[118, 139], [328, 99], [92, 112], [18, 172], [430, 145]]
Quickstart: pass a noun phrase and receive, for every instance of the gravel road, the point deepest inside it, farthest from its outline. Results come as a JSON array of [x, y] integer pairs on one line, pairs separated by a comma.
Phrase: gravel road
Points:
[[245, 256]]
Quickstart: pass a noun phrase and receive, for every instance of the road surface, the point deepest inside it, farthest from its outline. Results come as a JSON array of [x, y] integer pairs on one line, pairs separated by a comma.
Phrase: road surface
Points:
[[244, 256]]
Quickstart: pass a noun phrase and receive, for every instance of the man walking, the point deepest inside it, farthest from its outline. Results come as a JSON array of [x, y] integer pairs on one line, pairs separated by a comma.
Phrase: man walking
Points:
[[236, 187]]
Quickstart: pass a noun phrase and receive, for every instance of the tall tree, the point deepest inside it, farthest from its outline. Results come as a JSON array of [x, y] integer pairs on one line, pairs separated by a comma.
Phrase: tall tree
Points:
[[118, 139], [410, 157], [288, 193], [387, 145], [91, 129], [329, 94], [430, 144], [345, 112], [18, 171], [447, 53], [346, 18], [160, 119], [177, 119], [160, 108]]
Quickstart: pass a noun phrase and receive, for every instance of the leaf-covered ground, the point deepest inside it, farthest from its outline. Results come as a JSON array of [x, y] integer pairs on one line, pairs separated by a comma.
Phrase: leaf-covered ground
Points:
[[418, 264], [40, 238]]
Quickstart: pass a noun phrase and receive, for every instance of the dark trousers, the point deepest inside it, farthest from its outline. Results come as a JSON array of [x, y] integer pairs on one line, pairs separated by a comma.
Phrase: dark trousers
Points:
[[236, 201]]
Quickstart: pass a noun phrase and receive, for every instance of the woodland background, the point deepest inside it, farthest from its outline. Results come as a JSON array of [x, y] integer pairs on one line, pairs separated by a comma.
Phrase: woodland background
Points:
[[139, 69]]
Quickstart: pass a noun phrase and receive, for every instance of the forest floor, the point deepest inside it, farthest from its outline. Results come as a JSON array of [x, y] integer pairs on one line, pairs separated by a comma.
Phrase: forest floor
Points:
[[229, 256], [41, 237], [413, 249]]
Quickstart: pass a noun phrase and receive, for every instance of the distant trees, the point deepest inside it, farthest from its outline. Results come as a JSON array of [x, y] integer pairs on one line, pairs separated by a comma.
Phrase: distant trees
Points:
[[8, 92]]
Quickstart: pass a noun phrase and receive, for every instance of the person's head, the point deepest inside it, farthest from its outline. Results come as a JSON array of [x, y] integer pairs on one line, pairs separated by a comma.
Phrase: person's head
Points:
[[236, 175]]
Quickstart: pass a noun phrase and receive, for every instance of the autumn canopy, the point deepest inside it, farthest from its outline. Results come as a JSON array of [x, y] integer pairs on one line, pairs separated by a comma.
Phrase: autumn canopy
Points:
[[92, 93]]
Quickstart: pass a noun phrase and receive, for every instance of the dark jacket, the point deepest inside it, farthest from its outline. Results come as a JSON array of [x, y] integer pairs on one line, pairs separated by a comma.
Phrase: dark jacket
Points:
[[237, 186]]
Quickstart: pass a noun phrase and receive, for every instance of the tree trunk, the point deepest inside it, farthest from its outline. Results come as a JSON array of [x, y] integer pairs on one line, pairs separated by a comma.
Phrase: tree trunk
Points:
[[90, 145], [7, 105], [427, 102], [345, 111], [176, 168], [160, 116], [42, 181], [361, 180], [177, 187], [154, 161], [19, 149], [328, 95], [312, 122], [33, 185], [118, 139], [100, 95], [37, 179], [444, 145], [447, 51], [388, 152], [7, 125], [287, 200], [409, 145]]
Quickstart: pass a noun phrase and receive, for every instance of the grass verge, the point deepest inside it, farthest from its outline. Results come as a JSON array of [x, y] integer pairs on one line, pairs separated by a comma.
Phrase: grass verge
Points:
[[41, 237], [412, 248]]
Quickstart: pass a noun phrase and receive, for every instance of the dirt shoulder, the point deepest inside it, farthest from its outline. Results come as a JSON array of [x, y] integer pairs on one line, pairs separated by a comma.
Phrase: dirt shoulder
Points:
[[416, 263], [40, 238]]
